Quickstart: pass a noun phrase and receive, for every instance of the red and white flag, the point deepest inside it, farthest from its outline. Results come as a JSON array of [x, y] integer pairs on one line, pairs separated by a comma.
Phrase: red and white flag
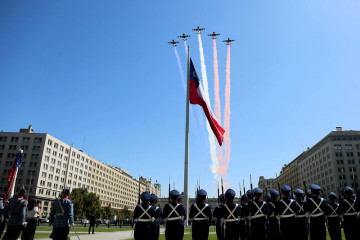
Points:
[[11, 179]]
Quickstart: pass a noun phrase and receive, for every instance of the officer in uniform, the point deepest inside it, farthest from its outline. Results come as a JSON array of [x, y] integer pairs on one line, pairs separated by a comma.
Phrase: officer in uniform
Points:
[[217, 214], [2, 222], [200, 213], [257, 211], [144, 216], [157, 216], [301, 222], [285, 210], [333, 219], [62, 216], [174, 215], [315, 207], [230, 213], [308, 194], [273, 222], [245, 214], [243, 218], [348, 212], [16, 209]]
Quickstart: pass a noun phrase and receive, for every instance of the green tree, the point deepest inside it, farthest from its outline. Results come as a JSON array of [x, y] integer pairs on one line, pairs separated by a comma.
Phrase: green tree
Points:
[[92, 205], [107, 212], [78, 196], [126, 213]]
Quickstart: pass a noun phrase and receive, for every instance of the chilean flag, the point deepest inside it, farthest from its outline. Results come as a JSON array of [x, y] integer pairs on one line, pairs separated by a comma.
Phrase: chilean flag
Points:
[[196, 96], [11, 179]]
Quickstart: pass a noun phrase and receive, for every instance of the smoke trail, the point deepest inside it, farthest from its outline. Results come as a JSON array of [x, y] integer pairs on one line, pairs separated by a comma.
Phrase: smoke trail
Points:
[[227, 141], [217, 100], [215, 165], [180, 69]]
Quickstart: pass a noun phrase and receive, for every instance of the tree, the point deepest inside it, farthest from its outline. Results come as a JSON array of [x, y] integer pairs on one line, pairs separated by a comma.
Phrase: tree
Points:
[[125, 213], [107, 212], [85, 204], [92, 205]]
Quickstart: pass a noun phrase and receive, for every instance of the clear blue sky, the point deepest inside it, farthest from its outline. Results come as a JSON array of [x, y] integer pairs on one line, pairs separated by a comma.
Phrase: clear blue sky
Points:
[[103, 71]]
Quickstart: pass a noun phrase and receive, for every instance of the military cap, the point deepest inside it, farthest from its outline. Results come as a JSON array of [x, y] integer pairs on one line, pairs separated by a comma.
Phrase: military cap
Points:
[[153, 197], [145, 196], [174, 193], [308, 192], [285, 188], [258, 191], [230, 193], [268, 196], [180, 197], [353, 195], [348, 190], [248, 194], [274, 192], [315, 187], [298, 192], [201, 192], [332, 195], [22, 191], [66, 191]]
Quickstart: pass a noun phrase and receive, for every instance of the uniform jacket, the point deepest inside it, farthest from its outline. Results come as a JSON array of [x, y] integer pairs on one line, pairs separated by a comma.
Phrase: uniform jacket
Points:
[[206, 211], [311, 208], [16, 210], [180, 209], [344, 207], [61, 219], [280, 207]]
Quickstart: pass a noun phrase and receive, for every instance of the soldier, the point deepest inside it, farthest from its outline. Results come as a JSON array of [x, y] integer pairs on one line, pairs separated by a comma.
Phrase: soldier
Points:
[[273, 222], [245, 215], [157, 216], [315, 207], [144, 216], [308, 194], [200, 213], [62, 216], [333, 219], [243, 218], [257, 210], [174, 215], [2, 222], [349, 216], [16, 209], [230, 213], [285, 210], [217, 214], [300, 217]]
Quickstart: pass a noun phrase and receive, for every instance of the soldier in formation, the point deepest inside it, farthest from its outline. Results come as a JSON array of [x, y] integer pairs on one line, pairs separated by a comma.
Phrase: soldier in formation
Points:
[[300, 217], [157, 216], [200, 214], [144, 215], [333, 218]]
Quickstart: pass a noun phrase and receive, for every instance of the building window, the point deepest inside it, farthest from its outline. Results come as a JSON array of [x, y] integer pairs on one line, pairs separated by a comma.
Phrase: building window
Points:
[[45, 166], [49, 142], [337, 147], [348, 147], [37, 140], [3, 139], [14, 139], [56, 145]]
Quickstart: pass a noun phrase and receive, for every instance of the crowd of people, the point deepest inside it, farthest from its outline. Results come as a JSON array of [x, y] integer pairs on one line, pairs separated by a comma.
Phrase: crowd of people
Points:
[[278, 215]]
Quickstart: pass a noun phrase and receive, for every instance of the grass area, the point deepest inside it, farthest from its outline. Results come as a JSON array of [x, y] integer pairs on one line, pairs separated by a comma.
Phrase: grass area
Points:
[[83, 229], [46, 235]]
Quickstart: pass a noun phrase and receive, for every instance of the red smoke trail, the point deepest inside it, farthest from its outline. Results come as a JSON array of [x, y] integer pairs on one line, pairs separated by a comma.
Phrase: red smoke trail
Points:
[[217, 101], [227, 141]]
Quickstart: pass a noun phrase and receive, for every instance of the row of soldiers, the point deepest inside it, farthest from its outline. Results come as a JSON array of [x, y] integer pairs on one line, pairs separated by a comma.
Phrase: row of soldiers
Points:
[[287, 217]]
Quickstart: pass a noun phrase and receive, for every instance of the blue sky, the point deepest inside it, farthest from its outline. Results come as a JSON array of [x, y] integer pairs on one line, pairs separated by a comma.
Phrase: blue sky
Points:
[[103, 71]]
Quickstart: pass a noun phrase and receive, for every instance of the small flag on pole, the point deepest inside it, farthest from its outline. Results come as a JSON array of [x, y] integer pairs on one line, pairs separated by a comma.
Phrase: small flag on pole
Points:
[[197, 96], [11, 179]]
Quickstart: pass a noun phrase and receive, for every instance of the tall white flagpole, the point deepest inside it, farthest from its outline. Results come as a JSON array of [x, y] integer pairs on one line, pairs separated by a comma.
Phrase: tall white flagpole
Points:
[[186, 167]]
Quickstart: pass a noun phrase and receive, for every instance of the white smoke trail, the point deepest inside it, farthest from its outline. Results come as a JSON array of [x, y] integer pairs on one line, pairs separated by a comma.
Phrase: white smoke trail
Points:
[[180, 69], [215, 165]]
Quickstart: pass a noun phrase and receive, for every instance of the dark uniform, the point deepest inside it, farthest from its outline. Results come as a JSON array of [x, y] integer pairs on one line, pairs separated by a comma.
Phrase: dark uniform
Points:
[[62, 216], [302, 229], [92, 223], [249, 197], [333, 219], [273, 221], [174, 214], [217, 211], [157, 215], [200, 213], [243, 218], [315, 207], [230, 212], [257, 210], [144, 216], [285, 210], [348, 212], [2, 222], [16, 209]]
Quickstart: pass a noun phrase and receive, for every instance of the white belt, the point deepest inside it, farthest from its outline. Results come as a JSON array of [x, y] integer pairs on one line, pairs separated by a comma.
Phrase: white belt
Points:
[[287, 216], [143, 220], [300, 216], [349, 214], [317, 215], [257, 216], [201, 219], [229, 220], [173, 218]]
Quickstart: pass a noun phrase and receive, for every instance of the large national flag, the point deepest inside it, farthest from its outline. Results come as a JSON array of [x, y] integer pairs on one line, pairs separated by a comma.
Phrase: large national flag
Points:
[[196, 96], [11, 179]]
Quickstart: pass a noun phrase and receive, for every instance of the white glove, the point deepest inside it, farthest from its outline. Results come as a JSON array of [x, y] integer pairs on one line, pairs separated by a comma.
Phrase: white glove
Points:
[[73, 225]]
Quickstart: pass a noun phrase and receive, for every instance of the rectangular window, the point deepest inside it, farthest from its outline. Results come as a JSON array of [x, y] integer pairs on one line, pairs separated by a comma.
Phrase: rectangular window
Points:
[[14, 139], [49, 142], [56, 145], [348, 147], [3, 139]]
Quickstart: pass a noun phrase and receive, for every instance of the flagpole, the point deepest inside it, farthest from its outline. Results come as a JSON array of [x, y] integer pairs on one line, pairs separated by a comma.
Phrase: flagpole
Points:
[[186, 167]]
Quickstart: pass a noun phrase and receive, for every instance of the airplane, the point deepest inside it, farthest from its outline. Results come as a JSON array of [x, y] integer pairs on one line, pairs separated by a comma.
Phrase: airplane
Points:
[[228, 41], [184, 37], [198, 29], [173, 43], [213, 35]]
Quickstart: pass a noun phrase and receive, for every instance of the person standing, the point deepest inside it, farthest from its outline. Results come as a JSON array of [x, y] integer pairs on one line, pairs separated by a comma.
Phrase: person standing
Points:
[[257, 210], [16, 209], [62, 216], [230, 214], [174, 215], [217, 214], [243, 218], [285, 210], [157, 215], [301, 222], [92, 223], [33, 210], [2, 222], [333, 219], [273, 222], [200, 213], [143, 214], [348, 211], [315, 207]]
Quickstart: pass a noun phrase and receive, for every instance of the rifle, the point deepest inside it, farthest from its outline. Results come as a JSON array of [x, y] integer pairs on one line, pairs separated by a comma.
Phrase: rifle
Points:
[[304, 186], [222, 189], [169, 192], [218, 194], [244, 187], [139, 192], [279, 188], [266, 192], [251, 187], [240, 193]]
